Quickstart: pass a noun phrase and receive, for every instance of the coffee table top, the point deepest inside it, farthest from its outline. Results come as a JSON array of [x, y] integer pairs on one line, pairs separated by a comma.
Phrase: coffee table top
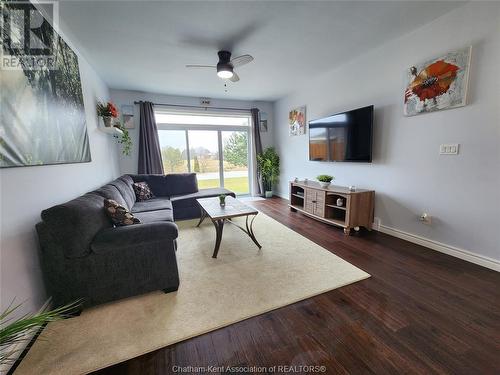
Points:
[[233, 208]]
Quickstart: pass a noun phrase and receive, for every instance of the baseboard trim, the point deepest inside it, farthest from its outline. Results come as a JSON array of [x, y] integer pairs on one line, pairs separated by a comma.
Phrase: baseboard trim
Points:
[[456, 252], [441, 247]]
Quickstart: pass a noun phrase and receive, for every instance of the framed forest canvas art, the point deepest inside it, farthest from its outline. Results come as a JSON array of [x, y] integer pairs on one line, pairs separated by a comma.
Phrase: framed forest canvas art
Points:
[[43, 116]]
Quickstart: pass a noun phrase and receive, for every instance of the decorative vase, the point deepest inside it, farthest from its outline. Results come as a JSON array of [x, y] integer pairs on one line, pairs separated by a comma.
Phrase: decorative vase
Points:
[[324, 184], [107, 121], [222, 200], [340, 202]]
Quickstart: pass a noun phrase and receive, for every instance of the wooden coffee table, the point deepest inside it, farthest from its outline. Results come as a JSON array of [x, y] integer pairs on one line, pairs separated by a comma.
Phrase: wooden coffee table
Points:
[[210, 207]]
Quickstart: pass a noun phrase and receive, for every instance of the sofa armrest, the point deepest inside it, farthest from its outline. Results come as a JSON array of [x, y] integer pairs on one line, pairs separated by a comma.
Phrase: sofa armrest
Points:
[[133, 235]]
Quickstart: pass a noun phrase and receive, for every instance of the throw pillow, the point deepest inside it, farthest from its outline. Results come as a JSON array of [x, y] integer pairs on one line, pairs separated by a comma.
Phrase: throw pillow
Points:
[[142, 191], [118, 214]]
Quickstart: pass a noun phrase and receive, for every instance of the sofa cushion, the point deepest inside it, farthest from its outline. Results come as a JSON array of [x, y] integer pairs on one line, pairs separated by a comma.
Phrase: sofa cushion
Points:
[[189, 200], [153, 216], [75, 223], [132, 236], [111, 192], [181, 183], [142, 191], [156, 182], [118, 214], [124, 186], [153, 204]]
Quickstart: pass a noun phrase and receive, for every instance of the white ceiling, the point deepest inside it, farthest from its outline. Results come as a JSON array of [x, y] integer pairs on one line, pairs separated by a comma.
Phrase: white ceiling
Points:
[[144, 45]]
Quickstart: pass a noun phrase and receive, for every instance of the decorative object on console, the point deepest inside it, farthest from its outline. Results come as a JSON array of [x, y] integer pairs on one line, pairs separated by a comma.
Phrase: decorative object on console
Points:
[[222, 200], [142, 191], [340, 202], [269, 169], [352, 188], [118, 214], [439, 83], [297, 121], [43, 114], [325, 180], [107, 112]]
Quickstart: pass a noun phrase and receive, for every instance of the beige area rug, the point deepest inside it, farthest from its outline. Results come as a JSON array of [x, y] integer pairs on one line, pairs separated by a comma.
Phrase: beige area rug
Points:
[[242, 282]]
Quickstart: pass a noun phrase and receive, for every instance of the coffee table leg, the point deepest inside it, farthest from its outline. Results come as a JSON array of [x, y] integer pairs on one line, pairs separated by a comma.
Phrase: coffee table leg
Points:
[[202, 217], [219, 226], [250, 231]]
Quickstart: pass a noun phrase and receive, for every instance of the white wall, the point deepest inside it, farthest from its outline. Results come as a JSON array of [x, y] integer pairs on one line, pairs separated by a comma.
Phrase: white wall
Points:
[[26, 191], [128, 164], [408, 174]]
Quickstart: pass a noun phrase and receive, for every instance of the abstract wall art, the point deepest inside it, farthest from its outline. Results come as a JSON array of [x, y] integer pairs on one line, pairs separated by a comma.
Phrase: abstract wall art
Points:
[[297, 121], [439, 83]]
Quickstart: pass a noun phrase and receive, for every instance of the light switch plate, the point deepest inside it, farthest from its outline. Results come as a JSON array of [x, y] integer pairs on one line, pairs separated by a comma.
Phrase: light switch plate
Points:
[[449, 149]]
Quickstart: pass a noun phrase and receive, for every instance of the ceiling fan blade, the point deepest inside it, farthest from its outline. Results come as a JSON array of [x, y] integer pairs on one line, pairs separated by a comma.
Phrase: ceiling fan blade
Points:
[[241, 60], [235, 77], [200, 66]]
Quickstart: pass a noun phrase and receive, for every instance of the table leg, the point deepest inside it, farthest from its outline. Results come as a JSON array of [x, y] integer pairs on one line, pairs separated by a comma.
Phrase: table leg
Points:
[[250, 231], [219, 226], [202, 217]]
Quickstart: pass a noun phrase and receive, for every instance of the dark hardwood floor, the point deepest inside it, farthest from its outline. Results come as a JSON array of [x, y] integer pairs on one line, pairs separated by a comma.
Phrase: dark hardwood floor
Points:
[[421, 312]]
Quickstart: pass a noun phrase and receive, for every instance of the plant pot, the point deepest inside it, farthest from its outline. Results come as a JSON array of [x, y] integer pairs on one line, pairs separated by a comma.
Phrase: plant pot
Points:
[[324, 184], [268, 194], [106, 121]]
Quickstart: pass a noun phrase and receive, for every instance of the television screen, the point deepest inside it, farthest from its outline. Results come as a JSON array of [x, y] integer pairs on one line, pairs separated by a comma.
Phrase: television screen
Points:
[[345, 136]]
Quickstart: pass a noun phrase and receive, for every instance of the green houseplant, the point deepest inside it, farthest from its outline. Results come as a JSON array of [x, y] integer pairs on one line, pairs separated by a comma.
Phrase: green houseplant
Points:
[[124, 139], [325, 180], [16, 330], [269, 169], [222, 200]]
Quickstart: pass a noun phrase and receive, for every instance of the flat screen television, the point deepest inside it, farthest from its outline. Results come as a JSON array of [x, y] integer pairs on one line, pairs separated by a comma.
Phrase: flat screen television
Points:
[[345, 136]]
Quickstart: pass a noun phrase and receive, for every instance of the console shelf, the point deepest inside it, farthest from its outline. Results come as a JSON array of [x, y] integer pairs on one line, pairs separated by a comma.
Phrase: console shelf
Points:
[[320, 203]]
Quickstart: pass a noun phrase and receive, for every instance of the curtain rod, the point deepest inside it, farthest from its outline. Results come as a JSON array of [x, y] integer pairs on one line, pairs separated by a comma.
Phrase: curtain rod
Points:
[[197, 106]]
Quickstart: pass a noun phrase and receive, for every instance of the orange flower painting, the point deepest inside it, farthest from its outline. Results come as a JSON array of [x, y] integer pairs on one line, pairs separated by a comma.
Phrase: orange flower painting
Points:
[[297, 121], [438, 84]]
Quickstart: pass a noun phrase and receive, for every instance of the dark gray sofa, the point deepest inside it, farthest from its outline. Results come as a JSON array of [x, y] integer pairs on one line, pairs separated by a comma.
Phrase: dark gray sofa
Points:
[[83, 256]]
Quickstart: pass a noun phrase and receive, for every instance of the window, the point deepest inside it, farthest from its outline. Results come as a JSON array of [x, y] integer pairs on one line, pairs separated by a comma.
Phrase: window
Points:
[[214, 146]]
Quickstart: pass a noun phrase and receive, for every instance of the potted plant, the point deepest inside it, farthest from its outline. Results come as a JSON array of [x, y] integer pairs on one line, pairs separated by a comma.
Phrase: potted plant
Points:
[[269, 170], [124, 139], [325, 180], [107, 111], [222, 200], [14, 331]]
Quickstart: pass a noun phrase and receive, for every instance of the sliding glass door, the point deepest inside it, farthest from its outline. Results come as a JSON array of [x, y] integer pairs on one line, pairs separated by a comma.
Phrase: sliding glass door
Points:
[[204, 157], [235, 157], [216, 148]]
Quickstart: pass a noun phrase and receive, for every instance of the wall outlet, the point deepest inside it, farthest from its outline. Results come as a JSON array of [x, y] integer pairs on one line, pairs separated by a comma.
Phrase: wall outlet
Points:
[[449, 149], [425, 218]]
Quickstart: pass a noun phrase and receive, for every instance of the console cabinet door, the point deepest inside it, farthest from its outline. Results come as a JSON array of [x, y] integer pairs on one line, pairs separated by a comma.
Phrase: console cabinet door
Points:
[[320, 203], [309, 200], [315, 202]]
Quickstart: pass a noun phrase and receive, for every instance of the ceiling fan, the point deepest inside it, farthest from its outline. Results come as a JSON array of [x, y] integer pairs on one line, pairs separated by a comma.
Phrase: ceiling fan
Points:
[[225, 66]]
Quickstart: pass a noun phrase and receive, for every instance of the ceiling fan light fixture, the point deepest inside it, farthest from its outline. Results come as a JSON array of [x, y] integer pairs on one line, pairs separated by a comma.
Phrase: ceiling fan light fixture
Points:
[[224, 71]]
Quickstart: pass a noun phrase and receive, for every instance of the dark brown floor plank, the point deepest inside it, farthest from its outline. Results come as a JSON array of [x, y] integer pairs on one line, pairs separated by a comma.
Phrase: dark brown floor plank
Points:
[[421, 312]]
